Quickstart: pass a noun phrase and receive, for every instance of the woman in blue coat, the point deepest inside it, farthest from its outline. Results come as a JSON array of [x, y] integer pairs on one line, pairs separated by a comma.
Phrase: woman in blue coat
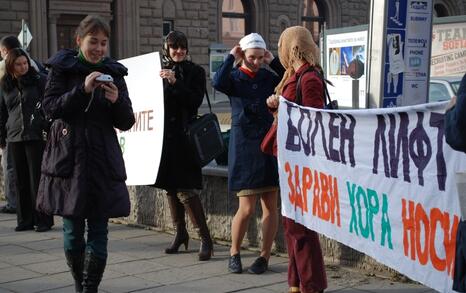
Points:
[[251, 173], [455, 124]]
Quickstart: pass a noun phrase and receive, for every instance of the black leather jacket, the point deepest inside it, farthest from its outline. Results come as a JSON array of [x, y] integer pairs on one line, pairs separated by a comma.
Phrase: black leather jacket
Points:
[[20, 117]]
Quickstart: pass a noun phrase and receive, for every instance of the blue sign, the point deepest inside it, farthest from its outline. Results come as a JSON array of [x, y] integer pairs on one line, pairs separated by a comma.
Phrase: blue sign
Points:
[[396, 14]]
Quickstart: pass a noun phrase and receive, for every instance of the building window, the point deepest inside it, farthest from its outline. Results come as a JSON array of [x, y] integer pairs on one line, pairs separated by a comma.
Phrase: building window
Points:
[[312, 18], [66, 28], [440, 10], [167, 27], [236, 21]]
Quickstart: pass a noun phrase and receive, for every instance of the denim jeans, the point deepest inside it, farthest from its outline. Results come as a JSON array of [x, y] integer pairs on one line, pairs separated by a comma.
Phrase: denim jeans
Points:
[[97, 231]]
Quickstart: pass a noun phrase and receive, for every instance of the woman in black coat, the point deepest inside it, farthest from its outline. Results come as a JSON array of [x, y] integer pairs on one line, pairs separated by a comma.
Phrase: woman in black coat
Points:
[[22, 126], [179, 174], [83, 172]]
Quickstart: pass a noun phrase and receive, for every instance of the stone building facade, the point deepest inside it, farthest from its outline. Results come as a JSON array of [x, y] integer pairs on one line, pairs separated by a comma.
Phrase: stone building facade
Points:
[[139, 25]]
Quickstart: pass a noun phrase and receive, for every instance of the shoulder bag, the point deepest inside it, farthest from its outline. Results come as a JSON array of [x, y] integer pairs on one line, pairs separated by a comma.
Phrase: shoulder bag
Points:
[[269, 142], [205, 137], [328, 102]]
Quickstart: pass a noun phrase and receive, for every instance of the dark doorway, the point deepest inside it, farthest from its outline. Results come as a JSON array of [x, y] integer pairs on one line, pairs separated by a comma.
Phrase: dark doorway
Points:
[[66, 28]]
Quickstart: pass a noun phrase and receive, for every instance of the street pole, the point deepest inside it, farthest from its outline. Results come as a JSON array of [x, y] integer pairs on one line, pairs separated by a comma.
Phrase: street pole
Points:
[[24, 30]]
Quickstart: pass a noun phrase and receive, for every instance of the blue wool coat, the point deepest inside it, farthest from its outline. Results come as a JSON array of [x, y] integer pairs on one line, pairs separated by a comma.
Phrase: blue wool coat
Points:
[[455, 126], [455, 120], [248, 166]]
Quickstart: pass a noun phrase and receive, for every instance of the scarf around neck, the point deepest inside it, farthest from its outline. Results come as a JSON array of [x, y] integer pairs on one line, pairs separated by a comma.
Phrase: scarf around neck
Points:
[[88, 64]]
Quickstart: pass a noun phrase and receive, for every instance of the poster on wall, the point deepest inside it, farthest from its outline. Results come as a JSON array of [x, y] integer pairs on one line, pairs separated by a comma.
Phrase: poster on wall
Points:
[[142, 144], [346, 67], [448, 49]]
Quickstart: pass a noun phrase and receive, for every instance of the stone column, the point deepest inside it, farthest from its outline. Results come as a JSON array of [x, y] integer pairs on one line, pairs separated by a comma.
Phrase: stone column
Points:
[[53, 34], [38, 27], [126, 19]]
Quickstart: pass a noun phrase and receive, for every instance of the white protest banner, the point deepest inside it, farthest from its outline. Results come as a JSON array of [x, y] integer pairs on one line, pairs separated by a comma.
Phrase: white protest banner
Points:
[[142, 144], [381, 181]]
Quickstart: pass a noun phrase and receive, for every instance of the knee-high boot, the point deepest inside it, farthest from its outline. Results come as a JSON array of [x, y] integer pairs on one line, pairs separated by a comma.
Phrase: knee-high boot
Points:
[[94, 268], [179, 224], [75, 261], [196, 213]]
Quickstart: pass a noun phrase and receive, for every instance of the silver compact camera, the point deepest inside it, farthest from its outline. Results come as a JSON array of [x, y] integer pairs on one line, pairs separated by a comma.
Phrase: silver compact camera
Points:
[[104, 78]]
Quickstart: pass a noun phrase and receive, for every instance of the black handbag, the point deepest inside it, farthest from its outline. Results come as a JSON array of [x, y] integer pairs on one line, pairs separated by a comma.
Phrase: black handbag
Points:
[[328, 102], [205, 137]]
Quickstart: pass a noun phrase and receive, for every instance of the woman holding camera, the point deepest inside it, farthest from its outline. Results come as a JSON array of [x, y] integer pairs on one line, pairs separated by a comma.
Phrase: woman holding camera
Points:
[[179, 173], [22, 126], [83, 173]]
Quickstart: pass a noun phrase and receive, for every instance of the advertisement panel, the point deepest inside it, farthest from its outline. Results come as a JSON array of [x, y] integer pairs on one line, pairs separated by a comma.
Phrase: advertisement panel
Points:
[[448, 49], [346, 67]]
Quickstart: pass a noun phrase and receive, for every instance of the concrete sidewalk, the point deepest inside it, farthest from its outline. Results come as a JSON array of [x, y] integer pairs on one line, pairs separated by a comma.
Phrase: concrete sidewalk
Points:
[[34, 262]]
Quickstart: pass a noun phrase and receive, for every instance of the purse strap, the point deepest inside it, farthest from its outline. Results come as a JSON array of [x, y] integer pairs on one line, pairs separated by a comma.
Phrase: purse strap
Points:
[[327, 99], [208, 100]]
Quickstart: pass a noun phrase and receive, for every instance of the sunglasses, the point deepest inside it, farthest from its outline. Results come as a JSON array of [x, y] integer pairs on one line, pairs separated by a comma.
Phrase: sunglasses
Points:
[[176, 47]]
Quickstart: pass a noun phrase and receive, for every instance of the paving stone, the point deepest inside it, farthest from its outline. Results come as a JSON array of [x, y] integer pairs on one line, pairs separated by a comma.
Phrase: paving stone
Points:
[[33, 262], [127, 284], [55, 242], [14, 273], [50, 267], [29, 258], [39, 284], [137, 267]]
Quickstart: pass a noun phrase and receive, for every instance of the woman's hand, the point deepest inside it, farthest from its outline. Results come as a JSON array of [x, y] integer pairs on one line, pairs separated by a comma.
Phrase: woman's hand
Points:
[[90, 83], [451, 104], [268, 57], [169, 75], [111, 91], [236, 52], [272, 101]]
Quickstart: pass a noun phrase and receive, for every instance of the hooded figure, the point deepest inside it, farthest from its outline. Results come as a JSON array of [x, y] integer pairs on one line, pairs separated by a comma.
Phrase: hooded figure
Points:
[[299, 55]]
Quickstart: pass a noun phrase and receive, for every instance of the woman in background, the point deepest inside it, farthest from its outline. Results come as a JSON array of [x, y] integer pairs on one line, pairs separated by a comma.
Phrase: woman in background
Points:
[[299, 55], [179, 173], [22, 126]]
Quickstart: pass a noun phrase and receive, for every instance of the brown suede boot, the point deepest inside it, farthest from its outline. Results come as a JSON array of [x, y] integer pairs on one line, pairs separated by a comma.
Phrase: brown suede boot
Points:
[[196, 213], [179, 224]]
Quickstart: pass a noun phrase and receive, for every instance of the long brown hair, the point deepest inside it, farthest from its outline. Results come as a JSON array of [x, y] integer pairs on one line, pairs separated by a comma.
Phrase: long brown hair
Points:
[[11, 58]]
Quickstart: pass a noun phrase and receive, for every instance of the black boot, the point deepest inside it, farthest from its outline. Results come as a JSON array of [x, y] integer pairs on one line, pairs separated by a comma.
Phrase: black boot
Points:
[[179, 223], [196, 213], [75, 261], [94, 268]]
